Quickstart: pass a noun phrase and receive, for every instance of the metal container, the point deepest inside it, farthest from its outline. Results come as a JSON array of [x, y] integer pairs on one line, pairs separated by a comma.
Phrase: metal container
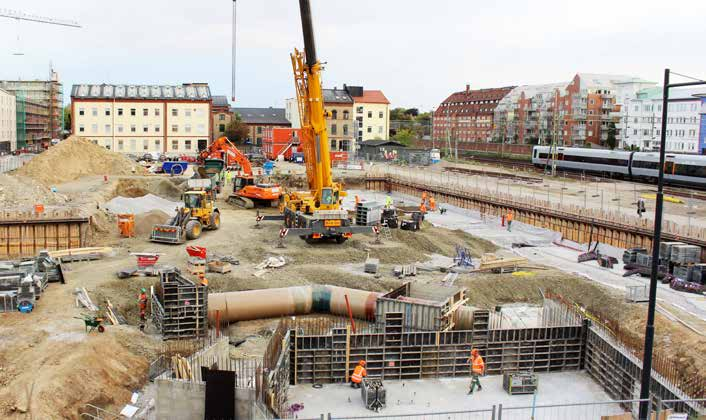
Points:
[[425, 307]]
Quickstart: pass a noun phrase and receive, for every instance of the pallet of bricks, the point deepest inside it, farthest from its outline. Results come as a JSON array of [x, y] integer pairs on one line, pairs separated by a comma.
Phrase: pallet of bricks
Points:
[[179, 307], [684, 263]]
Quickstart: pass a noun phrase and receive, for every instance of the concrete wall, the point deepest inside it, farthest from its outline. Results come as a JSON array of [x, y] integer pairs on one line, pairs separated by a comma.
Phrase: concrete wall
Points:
[[178, 400]]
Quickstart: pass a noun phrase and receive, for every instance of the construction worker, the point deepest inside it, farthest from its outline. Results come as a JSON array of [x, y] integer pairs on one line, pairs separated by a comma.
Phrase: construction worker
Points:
[[142, 302], [203, 280], [432, 203], [358, 374], [388, 201], [229, 176], [640, 207], [424, 196], [509, 221], [423, 208], [477, 369], [357, 200]]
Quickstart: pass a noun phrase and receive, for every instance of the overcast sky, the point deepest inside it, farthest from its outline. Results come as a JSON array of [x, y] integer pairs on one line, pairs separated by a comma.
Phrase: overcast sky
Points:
[[416, 51]]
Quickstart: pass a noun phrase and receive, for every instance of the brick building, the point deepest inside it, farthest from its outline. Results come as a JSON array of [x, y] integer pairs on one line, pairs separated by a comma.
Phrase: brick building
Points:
[[261, 121], [467, 116], [221, 116]]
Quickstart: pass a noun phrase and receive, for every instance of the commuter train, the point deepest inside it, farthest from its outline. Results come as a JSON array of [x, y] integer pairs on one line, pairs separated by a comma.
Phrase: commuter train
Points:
[[685, 170]]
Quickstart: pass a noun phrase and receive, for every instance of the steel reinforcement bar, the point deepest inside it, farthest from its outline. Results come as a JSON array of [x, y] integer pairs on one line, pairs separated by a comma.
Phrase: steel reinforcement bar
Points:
[[575, 227]]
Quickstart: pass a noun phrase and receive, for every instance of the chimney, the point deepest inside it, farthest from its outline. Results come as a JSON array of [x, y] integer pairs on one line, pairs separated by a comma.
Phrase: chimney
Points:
[[468, 89]]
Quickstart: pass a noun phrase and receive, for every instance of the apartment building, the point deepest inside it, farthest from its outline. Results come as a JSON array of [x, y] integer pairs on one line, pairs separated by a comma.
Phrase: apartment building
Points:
[[220, 115], [39, 105], [261, 121], [467, 116], [702, 124], [168, 119], [291, 112], [341, 123], [527, 114], [641, 120], [8, 122], [372, 113]]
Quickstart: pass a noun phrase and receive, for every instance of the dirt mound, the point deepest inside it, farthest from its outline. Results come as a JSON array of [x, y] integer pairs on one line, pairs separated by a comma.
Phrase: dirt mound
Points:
[[74, 158], [17, 191], [145, 221], [138, 187]]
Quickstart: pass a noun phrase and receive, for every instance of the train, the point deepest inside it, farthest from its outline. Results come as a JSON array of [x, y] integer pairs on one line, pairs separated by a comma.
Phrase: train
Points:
[[680, 170]]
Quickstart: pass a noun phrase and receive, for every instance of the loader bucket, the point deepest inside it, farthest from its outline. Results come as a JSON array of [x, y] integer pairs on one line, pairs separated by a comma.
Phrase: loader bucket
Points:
[[167, 234]]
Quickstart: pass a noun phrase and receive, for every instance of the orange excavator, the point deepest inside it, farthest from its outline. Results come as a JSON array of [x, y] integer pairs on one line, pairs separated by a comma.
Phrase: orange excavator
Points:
[[247, 193]]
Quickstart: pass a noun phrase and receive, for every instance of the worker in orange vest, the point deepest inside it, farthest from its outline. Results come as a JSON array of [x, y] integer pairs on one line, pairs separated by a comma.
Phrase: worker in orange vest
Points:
[[432, 203], [477, 369], [142, 303], [423, 208], [203, 280], [424, 196], [509, 221], [358, 374]]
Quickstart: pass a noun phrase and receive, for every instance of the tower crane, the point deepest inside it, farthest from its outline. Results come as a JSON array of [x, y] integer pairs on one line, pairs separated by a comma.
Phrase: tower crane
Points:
[[14, 14]]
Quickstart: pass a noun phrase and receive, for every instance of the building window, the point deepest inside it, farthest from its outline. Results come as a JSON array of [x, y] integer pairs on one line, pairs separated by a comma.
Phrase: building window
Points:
[[221, 117], [334, 114], [187, 144], [133, 128], [359, 110], [133, 112], [175, 128], [94, 112], [156, 112], [175, 112], [380, 114], [120, 111], [187, 128], [221, 128], [590, 123], [370, 114], [156, 128], [157, 144], [81, 128], [259, 130], [187, 112], [144, 128], [145, 144], [107, 129], [133, 144], [379, 129], [120, 145], [107, 112], [94, 128], [333, 144], [120, 128], [145, 112], [345, 129], [370, 129], [334, 130], [81, 111], [175, 144], [346, 115]]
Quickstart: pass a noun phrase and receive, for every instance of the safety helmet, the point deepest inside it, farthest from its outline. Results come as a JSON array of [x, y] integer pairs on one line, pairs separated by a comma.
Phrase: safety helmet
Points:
[[143, 290], [362, 363]]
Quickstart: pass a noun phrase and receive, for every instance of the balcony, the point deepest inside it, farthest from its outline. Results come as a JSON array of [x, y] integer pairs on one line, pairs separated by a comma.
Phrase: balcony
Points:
[[578, 116], [607, 105]]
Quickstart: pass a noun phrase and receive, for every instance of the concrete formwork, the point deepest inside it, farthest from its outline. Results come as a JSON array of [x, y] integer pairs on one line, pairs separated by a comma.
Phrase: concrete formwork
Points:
[[24, 234]]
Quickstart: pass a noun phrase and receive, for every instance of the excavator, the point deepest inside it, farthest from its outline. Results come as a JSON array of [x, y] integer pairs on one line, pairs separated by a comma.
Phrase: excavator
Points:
[[316, 214], [246, 192]]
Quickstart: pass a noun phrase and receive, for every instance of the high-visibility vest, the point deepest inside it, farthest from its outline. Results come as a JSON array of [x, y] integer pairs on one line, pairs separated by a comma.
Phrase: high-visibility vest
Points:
[[509, 217], [478, 365], [358, 374]]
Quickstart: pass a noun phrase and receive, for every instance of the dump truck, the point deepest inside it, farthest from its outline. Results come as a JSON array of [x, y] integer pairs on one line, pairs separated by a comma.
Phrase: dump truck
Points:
[[199, 213]]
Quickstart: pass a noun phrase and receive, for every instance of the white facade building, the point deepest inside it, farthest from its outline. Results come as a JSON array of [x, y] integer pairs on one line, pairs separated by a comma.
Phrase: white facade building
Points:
[[291, 112], [641, 120], [8, 122]]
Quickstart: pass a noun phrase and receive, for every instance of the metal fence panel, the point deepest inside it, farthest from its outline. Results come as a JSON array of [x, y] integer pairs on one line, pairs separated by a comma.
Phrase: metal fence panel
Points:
[[487, 414], [585, 411], [10, 163]]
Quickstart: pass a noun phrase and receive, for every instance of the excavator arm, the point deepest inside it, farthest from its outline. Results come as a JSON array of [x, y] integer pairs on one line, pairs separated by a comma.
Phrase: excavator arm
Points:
[[222, 148]]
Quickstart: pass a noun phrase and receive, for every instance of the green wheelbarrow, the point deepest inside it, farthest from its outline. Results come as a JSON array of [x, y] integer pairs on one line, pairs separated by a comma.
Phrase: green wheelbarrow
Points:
[[92, 322]]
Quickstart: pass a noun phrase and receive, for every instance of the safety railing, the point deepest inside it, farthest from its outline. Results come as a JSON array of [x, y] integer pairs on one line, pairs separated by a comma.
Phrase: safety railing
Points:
[[688, 409], [483, 414], [10, 163]]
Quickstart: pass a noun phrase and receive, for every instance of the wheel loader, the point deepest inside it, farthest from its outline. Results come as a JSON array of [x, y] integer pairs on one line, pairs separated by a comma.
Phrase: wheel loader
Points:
[[198, 214]]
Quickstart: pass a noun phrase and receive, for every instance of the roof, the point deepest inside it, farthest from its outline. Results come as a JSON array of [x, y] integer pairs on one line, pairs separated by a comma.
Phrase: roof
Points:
[[220, 100], [376, 143], [595, 80], [371, 97], [479, 95], [337, 96], [187, 91], [267, 116]]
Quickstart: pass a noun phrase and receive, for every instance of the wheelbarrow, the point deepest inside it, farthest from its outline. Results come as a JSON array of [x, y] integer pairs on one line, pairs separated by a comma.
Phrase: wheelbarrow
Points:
[[92, 322]]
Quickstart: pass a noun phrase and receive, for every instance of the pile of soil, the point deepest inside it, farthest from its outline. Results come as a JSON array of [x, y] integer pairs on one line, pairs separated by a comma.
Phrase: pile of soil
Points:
[[17, 191], [74, 158], [145, 221], [138, 187]]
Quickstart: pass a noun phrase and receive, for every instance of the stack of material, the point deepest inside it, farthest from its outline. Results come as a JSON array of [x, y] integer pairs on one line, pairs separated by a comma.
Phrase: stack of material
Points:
[[374, 394], [8, 301], [693, 273], [84, 299], [698, 275], [219, 267], [371, 265], [182, 368], [685, 254], [520, 382], [195, 266], [499, 264], [665, 250], [113, 316], [368, 213], [405, 270], [643, 260], [271, 262]]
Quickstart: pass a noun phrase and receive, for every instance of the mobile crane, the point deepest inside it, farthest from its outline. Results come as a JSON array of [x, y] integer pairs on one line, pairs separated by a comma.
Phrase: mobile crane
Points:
[[246, 192], [316, 214]]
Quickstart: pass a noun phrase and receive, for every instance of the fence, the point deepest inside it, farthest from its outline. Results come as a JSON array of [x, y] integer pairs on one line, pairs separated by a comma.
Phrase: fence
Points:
[[10, 163]]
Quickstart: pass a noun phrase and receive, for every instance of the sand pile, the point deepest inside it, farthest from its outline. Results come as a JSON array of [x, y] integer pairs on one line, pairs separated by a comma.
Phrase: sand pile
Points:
[[74, 158], [16, 192], [142, 204], [145, 221], [138, 187]]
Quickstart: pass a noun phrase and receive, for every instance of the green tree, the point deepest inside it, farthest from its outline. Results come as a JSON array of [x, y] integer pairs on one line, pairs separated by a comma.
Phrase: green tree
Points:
[[399, 114], [611, 141], [67, 118], [404, 136], [236, 130]]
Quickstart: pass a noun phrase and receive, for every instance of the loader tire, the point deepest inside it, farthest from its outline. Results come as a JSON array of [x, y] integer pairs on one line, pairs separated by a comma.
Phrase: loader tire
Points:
[[215, 221], [193, 229]]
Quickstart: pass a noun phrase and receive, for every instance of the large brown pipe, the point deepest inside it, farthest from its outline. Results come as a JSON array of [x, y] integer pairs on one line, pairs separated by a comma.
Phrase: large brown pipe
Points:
[[296, 300]]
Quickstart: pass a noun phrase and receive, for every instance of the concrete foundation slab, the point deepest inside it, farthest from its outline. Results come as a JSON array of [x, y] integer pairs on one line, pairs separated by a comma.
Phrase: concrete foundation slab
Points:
[[444, 395]]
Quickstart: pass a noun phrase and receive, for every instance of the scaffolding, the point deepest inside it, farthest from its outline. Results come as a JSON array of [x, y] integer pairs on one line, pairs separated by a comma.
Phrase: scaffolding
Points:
[[21, 98]]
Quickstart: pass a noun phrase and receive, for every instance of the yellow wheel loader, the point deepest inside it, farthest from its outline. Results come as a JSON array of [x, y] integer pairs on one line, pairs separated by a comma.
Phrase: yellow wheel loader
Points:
[[198, 214]]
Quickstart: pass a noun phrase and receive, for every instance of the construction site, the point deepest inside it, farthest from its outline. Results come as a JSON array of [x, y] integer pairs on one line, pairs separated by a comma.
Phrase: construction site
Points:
[[228, 290]]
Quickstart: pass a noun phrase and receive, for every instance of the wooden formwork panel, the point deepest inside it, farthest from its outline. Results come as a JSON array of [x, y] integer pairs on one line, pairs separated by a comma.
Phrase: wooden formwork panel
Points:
[[27, 239]]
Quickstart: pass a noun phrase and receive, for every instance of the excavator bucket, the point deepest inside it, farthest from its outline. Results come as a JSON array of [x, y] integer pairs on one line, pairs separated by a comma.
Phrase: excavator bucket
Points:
[[167, 234]]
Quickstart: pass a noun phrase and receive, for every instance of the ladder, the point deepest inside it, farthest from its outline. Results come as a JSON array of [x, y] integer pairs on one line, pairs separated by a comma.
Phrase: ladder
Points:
[[386, 232]]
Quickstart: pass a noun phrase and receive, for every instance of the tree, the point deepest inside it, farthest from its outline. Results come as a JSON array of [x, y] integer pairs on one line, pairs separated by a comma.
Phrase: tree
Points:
[[611, 141], [67, 118], [412, 112], [404, 136], [399, 114], [236, 130]]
